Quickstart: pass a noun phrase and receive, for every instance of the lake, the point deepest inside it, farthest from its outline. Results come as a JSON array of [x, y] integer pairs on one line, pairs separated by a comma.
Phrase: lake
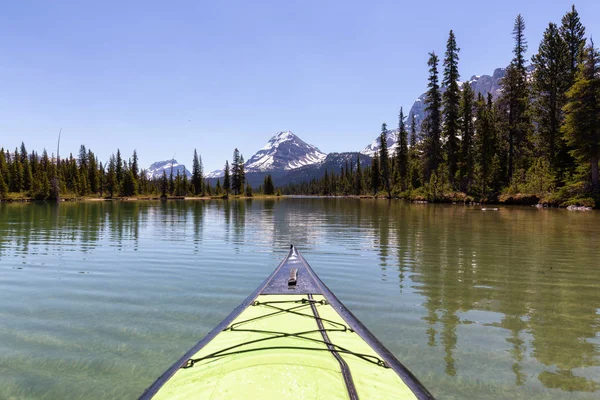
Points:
[[97, 299]]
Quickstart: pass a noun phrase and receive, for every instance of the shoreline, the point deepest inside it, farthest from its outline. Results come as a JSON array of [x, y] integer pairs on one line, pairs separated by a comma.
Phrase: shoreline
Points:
[[232, 197]]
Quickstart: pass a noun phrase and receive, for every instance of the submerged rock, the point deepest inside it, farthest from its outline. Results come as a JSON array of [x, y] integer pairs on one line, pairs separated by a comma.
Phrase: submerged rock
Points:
[[579, 208]]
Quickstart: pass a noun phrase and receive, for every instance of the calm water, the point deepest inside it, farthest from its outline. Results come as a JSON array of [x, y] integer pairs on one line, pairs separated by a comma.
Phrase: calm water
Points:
[[98, 299]]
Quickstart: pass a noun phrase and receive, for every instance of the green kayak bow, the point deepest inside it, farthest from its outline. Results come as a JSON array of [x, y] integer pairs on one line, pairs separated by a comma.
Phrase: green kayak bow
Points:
[[290, 339]]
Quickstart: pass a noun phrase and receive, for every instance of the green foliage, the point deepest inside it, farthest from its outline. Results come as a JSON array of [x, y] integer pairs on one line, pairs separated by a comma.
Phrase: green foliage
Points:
[[582, 124], [197, 180], [375, 175], [550, 83], [164, 187], [438, 185], [227, 179], [539, 179], [384, 161], [3, 188], [451, 101], [431, 127], [467, 131], [572, 32], [268, 187], [401, 155], [514, 104]]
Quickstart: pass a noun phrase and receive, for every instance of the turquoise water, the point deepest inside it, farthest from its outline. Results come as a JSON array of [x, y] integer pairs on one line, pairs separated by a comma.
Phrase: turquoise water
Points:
[[98, 299]]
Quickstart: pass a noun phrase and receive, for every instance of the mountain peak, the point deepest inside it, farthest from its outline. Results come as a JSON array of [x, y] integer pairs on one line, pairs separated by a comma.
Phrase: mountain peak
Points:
[[279, 138], [157, 168], [284, 151]]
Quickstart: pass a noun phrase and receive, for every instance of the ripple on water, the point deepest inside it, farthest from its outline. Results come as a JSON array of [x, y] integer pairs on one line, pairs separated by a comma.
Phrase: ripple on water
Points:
[[478, 305]]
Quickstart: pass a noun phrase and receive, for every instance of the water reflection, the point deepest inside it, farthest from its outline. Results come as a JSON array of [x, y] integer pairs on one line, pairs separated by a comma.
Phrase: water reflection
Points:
[[525, 277], [467, 261]]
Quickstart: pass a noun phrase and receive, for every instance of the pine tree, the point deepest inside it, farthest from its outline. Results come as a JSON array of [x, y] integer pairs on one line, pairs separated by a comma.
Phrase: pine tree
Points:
[[112, 185], [572, 32], [93, 173], [16, 185], [384, 160], [451, 103], [550, 80], [3, 188], [135, 170], [197, 174], [402, 152], [268, 187], [184, 185], [27, 173], [3, 173], [164, 184], [227, 179], [413, 154], [432, 123], [375, 174], [467, 132], [515, 101], [249, 190], [582, 121], [235, 173], [119, 167], [241, 173], [130, 187], [486, 158], [172, 180], [358, 179]]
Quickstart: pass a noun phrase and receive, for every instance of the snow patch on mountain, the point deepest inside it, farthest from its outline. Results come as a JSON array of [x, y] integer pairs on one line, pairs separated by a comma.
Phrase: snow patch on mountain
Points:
[[217, 173], [157, 168], [391, 140], [284, 151]]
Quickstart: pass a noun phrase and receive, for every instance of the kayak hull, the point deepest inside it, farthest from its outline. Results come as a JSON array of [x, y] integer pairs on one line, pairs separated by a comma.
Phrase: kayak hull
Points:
[[289, 341]]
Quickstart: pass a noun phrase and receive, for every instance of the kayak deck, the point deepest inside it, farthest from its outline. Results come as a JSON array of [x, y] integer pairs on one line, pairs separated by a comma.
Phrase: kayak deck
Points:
[[289, 341]]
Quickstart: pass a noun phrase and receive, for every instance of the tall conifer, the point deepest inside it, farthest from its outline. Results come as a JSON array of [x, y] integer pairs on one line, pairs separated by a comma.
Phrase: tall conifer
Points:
[[573, 33], [467, 132], [515, 102], [384, 160], [197, 174], [451, 101], [227, 179], [431, 127], [402, 152], [582, 122], [550, 83]]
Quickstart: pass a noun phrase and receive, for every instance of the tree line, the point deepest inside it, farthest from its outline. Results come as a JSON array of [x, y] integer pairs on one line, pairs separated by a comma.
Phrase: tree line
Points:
[[539, 140]]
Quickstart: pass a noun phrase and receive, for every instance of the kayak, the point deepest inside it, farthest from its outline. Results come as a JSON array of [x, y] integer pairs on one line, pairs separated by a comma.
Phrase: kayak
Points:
[[290, 339]]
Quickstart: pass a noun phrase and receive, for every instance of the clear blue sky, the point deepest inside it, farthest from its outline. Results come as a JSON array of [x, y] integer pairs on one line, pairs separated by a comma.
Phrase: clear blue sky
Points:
[[165, 77]]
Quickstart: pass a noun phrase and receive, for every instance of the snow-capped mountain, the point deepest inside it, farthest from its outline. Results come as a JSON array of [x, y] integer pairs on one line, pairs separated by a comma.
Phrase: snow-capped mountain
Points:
[[283, 152], [157, 168]]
